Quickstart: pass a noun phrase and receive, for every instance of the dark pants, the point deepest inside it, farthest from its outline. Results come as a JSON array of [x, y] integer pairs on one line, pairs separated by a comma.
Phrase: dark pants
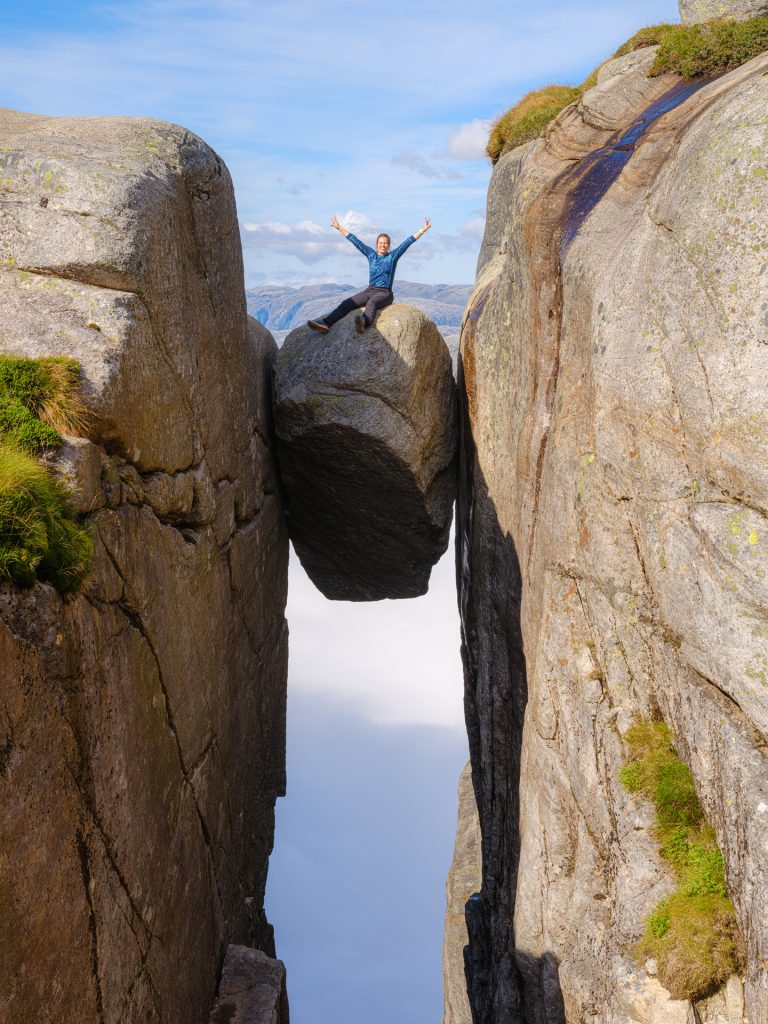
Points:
[[372, 298]]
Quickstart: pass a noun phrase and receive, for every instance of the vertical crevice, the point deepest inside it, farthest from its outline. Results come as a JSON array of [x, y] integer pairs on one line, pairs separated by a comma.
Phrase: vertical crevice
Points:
[[85, 870]]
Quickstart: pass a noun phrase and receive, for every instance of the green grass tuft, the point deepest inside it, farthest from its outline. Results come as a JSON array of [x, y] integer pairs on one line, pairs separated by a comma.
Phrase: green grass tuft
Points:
[[693, 51], [24, 428], [705, 50], [49, 388], [651, 35], [40, 537], [39, 534], [712, 48], [528, 118], [692, 934]]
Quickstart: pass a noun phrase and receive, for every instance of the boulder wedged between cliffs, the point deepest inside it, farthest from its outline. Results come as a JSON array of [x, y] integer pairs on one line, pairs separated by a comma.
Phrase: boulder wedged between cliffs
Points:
[[366, 431]]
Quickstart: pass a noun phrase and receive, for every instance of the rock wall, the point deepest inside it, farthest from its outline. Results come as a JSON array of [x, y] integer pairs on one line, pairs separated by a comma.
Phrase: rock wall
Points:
[[142, 722], [613, 534], [464, 880], [693, 11]]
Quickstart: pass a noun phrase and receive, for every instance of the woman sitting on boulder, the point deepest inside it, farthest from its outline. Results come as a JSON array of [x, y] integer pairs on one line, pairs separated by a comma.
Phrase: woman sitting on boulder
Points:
[[378, 294]]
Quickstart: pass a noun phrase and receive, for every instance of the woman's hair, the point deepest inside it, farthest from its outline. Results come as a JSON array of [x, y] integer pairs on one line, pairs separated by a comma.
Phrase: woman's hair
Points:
[[384, 235]]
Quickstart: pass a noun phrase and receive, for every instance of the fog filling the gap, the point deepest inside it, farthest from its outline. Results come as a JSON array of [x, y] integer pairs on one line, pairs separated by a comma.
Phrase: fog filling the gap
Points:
[[364, 837]]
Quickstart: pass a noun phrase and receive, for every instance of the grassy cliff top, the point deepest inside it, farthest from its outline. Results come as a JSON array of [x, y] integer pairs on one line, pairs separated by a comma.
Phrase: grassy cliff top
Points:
[[705, 50]]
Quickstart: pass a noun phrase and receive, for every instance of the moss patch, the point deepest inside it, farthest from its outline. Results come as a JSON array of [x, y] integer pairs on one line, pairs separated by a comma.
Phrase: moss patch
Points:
[[29, 433], [692, 51], [40, 537], [692, 934]]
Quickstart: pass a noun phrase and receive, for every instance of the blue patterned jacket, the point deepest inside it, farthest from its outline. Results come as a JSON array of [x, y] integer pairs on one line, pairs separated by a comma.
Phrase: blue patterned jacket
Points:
[[381, 268]]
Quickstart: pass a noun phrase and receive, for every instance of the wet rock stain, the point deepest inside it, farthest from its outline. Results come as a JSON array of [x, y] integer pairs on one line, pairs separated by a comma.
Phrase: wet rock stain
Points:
[[468, 334], [595, 174]]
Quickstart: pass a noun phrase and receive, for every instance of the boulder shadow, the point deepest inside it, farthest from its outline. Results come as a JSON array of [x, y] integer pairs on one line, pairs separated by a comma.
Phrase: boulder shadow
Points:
[[505, 985]]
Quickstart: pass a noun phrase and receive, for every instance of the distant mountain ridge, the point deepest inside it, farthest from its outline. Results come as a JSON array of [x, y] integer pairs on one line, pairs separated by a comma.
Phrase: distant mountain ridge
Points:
[[281, 308]]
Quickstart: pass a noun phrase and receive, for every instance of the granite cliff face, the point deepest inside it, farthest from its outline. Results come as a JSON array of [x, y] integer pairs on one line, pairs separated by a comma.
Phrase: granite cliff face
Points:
[[694, 11], [464, 880], [141, 722], [612, 534]]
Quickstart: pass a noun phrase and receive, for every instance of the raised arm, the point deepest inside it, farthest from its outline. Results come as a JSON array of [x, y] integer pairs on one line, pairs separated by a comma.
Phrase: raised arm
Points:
[[335, 224], [398, 252], [423, 229], [366, 250]]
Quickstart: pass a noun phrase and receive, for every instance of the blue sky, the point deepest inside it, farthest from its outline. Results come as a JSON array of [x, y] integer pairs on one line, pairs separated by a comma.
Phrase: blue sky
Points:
[[376, 112]]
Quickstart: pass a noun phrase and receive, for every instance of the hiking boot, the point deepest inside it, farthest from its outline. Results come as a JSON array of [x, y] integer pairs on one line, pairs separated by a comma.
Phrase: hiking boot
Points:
[[360, 324], [318, 325]]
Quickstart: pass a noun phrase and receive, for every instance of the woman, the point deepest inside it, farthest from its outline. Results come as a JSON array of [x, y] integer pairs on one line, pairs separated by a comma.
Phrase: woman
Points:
[[382, 264]]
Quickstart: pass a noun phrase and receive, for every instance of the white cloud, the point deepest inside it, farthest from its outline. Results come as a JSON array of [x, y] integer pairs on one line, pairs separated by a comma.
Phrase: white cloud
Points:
[[273, 226], [306, 240], [473, 228], [395, 661], [416, 162], [469, 140], [364, 802], [358, 223], [310, 227]]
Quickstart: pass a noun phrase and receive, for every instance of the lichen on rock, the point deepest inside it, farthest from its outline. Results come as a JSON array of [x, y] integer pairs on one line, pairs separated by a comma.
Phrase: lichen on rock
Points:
[[694, 11]]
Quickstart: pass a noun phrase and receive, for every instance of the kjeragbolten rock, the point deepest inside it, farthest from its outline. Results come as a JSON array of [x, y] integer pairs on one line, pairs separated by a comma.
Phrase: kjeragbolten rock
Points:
[[366, 429]]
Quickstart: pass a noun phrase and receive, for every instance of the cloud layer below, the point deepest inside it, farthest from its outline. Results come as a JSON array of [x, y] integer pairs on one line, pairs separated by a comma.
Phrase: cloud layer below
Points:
[[392, 661], [356, 884]]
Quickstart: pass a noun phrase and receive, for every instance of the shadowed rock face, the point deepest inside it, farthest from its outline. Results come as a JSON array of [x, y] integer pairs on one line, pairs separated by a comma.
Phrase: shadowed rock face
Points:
[[251, 990], [692, 11], [366, 429], [464, 880], [142, 721], [613, 514]]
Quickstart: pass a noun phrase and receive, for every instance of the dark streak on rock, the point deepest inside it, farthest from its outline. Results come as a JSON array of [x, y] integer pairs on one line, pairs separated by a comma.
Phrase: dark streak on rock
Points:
[[223, 1014], [85, 868], [6, 749], [595, 175]]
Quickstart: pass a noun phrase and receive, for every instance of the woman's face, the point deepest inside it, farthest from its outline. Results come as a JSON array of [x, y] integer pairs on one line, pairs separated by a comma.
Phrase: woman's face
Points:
[[382, 245]]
